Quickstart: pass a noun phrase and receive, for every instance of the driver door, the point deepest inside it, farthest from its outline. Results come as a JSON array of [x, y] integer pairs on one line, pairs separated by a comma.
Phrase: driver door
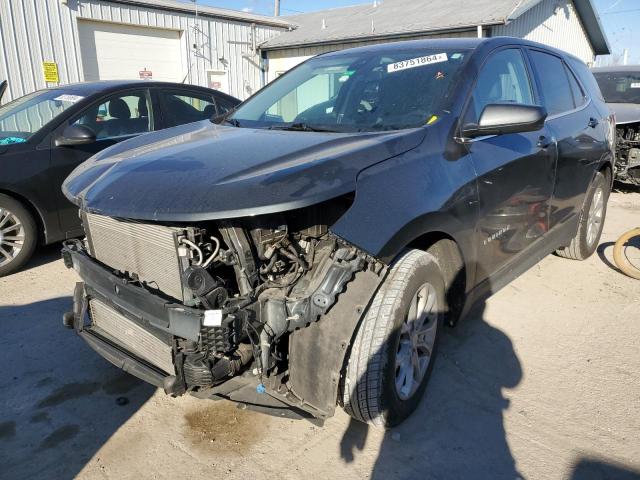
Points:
[[114, 118], [515, 171]]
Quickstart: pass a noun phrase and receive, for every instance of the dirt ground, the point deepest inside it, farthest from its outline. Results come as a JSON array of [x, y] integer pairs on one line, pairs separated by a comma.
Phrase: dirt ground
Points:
[[543, 383]]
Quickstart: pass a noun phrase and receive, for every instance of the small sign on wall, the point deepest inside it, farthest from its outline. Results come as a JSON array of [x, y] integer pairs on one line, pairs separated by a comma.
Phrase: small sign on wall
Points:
[[50, 70], [145, 74]]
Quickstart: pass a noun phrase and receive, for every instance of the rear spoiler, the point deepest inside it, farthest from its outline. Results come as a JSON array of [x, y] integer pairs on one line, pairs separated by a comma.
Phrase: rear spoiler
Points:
[[3, 87]]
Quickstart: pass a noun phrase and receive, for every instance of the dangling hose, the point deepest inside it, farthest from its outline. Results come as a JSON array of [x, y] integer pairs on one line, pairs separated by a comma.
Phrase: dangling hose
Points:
[[620, 257]]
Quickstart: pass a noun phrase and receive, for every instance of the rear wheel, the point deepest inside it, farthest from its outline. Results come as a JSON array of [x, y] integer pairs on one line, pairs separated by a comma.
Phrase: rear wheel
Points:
[[393, 353], [18, 235], [591, 221]]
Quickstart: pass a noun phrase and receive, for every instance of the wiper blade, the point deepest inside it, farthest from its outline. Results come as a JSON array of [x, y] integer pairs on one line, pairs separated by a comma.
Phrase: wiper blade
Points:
[[224, 118], [300, 127]]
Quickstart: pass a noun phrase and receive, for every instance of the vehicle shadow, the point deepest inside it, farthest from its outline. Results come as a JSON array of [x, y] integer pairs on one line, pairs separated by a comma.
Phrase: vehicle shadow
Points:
[[43, 255], [61, 402], [457, 430], [594, 469], [625, 187]]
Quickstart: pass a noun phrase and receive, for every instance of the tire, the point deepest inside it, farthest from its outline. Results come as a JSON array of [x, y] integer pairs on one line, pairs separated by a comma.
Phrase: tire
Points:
[[620, 257], [586, 241], [368, 384], [18, 235]]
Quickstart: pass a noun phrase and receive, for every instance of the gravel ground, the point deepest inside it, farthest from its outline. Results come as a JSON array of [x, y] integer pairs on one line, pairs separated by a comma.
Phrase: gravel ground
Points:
[[542, 383]]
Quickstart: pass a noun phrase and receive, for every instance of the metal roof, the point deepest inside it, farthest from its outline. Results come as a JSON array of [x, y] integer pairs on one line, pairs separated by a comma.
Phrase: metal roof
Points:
[[617, 68], [393, 18], [190, 7]]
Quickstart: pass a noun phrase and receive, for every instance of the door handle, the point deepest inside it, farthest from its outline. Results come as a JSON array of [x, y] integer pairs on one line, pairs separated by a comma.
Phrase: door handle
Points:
[[544, 142], [593, 122]]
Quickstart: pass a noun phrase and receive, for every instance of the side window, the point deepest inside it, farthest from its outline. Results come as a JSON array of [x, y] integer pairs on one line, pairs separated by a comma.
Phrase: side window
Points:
[[313, 98], [182, 107], [119, 115], [503, 79], [554, 83], [579, 97]]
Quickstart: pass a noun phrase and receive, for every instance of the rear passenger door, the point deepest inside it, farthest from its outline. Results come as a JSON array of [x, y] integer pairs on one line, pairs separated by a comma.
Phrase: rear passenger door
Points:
[[578, 128], [515, 170], [185, 106]]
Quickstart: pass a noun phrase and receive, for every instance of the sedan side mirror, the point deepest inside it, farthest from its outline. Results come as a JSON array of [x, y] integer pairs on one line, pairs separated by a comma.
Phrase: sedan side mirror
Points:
[[76, 135], [501, 118]]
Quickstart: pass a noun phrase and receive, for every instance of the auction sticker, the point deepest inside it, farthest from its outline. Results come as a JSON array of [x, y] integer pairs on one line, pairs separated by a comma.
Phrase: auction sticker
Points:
[[635, 85], [417, 62], [69, 98]]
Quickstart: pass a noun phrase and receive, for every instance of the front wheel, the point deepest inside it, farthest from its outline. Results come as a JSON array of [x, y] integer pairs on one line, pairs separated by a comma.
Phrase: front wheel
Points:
[[18, 235], [594, 211], [393, 353]]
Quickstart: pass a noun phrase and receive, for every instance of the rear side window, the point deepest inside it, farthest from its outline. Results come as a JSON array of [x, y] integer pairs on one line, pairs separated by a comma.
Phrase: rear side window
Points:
[[554, 83], [579, 98], [586, 77], [503, 79], [182, 107]]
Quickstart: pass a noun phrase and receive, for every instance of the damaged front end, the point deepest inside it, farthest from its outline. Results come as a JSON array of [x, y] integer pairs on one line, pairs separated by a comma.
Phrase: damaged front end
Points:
[[628, 153], [259, 310]]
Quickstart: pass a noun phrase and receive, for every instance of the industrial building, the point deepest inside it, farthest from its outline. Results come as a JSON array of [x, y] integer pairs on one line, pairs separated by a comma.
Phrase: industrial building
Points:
[[45, 42], [49, 42], [572, 25]]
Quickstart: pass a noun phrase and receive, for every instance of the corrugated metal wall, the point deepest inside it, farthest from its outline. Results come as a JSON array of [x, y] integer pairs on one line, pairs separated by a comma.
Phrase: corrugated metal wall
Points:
[[282, 60], [554, 23], [33, 31]]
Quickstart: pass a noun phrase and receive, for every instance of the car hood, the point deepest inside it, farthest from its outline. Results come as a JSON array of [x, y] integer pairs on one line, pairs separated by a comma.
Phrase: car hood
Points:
[[625, 112], [203, 171]]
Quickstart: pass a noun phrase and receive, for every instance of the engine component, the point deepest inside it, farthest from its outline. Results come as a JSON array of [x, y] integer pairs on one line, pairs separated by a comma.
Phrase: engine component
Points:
[[281, 315], [628, 153], [205, 288]]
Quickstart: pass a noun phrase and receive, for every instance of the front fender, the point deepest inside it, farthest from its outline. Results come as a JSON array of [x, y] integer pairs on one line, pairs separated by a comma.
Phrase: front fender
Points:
[[406, 197]]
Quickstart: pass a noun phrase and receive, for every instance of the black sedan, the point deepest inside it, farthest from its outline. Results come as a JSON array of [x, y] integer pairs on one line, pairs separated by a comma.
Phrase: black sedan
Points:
[[46, 134]]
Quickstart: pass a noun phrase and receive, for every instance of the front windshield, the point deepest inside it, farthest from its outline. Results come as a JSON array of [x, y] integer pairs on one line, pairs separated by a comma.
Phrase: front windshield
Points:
[[357, 92], [619, 87], [23, 117]]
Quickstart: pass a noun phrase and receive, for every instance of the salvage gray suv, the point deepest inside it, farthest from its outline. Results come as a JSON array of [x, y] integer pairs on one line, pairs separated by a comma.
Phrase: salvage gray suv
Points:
[[306, 250]]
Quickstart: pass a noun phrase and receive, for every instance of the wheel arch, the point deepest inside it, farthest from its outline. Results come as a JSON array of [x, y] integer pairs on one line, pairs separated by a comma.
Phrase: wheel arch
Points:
[[453, 265], [33, 210]]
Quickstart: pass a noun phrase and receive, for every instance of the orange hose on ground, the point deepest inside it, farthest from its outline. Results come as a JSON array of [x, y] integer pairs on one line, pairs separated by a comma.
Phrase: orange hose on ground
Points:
[[621, 259]]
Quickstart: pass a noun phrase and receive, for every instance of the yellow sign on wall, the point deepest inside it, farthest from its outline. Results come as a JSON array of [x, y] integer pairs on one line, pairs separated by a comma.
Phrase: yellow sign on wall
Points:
[[50, 70]]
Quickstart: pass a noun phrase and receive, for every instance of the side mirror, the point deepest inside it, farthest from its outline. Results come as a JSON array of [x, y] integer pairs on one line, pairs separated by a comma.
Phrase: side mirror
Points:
[[76, 135], [501, 118]]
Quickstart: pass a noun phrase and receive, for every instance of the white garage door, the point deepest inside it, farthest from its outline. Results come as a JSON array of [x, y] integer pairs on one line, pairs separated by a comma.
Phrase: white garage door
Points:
[[112, 51]]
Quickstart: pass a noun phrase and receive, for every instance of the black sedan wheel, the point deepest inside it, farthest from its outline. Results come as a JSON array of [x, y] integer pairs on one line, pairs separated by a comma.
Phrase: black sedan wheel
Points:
[[18, 235]]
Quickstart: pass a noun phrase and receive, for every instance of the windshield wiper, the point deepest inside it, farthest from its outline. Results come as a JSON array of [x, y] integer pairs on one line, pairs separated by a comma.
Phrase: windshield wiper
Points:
[[224, 118], [300, 127]]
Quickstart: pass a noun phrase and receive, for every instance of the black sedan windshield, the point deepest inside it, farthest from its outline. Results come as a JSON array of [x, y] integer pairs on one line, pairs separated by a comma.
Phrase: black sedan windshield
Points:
[[23, 117], [619, 87], [369, 91]]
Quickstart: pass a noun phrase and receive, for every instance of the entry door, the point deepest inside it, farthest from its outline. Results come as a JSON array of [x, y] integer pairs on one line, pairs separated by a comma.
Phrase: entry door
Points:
[[515, 171]]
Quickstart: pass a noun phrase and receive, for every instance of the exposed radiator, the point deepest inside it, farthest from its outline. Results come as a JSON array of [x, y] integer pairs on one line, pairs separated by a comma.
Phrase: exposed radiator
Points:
[[148, 251], [130, 336]]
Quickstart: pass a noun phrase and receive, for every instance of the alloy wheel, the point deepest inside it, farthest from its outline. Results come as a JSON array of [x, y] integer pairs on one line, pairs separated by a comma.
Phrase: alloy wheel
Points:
[[596, 213], [417, 340], [11, 236]]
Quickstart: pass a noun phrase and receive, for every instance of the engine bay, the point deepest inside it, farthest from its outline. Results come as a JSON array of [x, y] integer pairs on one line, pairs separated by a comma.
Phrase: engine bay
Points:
[[255, 280], [628, 153]]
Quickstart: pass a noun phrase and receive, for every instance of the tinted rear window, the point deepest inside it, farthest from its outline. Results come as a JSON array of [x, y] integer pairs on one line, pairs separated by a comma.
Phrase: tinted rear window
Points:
[[554, 83]]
